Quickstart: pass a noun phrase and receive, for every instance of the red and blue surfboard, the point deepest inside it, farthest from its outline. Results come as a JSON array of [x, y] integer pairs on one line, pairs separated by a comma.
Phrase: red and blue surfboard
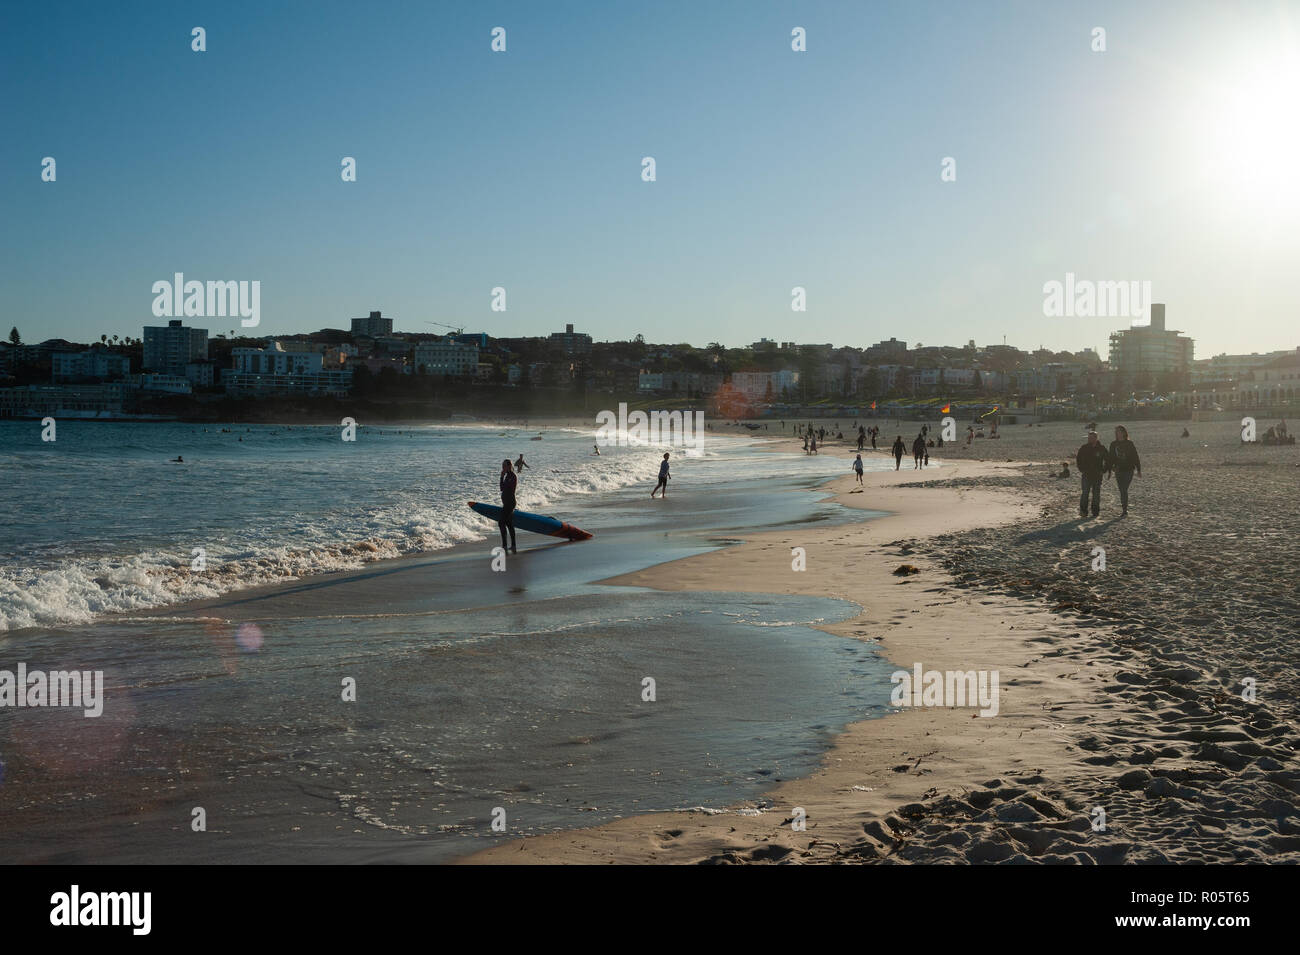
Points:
[[537, 523]]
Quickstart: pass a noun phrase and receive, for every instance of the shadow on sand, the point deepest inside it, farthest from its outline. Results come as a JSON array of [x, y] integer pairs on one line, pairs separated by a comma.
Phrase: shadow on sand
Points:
[[1068, 532]]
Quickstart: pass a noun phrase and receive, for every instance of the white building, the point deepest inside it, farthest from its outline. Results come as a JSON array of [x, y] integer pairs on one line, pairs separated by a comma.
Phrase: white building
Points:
[[446, 357], [274, 371], [1226, 367], [650, 381], [760, 385], [274, 360], [168, 384], [94, 363]]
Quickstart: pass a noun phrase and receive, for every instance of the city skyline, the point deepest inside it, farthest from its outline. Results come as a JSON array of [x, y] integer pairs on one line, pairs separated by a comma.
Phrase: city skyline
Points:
[[775, 169]]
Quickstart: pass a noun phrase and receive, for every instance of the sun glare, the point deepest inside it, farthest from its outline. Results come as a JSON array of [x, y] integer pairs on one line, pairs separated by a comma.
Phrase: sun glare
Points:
[[1256, 134]]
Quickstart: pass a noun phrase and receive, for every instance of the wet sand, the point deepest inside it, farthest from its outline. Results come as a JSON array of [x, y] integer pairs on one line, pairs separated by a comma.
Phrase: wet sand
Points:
[[1120, 688]]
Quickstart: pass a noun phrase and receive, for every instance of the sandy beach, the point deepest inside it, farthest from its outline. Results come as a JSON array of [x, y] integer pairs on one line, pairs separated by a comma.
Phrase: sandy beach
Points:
[[1113, 701]]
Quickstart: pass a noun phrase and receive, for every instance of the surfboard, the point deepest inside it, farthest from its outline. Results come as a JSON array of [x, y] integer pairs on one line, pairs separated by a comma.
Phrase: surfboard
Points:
[[537, 523]]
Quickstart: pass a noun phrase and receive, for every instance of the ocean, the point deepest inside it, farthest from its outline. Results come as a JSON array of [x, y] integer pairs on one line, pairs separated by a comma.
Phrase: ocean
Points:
[[477, 694]]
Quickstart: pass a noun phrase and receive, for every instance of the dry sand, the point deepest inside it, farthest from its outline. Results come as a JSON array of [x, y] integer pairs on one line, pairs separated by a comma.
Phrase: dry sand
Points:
[[1092, 715]]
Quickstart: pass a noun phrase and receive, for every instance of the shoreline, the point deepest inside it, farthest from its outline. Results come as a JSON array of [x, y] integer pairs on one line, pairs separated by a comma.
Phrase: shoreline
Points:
[[880, 776], [1140, 721]]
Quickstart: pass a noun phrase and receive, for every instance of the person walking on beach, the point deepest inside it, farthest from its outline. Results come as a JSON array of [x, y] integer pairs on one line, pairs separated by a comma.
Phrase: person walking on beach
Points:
[[805, 446], [1124, 462], [663, 477], [812, 447], [857, 466], [507, 519], [918, 450], [874, 434], [899, 448], [1093, 461]]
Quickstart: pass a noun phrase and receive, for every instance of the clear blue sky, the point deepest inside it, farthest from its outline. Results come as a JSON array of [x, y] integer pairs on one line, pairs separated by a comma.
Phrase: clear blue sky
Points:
[[775, 168]]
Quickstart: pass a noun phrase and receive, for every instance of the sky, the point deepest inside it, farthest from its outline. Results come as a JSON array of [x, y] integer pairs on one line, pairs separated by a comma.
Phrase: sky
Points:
[[1169, 157]]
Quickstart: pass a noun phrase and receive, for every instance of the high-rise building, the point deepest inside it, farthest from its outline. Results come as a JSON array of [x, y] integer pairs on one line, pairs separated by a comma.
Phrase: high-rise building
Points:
[[573, 343], [167, 350], [890, 351], [1150, 356], [374, 326]]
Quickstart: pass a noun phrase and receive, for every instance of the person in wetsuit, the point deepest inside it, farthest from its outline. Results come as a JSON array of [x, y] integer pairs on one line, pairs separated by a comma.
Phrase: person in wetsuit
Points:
[[507, 519]]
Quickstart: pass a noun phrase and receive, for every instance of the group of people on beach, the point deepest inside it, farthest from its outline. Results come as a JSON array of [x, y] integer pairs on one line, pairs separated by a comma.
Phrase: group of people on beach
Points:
[[509, 482], [1096, 462]]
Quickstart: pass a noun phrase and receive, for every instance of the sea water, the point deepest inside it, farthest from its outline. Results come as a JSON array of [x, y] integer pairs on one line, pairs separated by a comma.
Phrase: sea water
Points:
[[324, 701]]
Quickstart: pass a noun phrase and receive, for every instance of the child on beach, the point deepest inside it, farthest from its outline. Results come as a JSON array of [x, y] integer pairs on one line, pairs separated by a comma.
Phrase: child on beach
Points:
[[857, 467]]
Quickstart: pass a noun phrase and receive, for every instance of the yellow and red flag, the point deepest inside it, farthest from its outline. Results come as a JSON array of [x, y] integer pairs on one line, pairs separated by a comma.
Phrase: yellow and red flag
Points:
[[946, 409], [873, 406]]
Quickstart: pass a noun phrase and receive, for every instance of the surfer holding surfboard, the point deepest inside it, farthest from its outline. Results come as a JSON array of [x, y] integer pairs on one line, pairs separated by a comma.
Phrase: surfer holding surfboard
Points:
[[507, 517]]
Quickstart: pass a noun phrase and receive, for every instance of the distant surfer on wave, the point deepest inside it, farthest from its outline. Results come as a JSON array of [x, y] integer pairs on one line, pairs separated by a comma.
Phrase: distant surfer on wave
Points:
[[507, 519]]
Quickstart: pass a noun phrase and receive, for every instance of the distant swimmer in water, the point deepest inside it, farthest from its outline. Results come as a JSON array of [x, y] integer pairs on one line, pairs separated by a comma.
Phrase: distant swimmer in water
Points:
[[177, 460], [520, 464], [663, 477], [595, 449]]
